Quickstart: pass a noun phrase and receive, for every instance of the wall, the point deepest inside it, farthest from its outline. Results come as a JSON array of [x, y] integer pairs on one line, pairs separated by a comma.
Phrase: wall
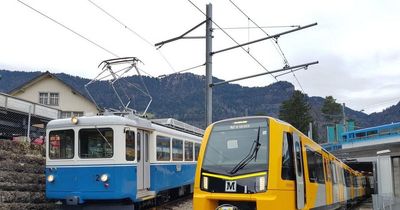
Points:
[[68, 101], [396, 176], [22, 181]]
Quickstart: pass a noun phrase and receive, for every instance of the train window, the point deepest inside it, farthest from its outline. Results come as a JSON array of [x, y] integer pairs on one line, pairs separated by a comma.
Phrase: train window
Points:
[[96, 143], [371, 133], [61, 145], [130, 145], [163, 148], [138, 146], [333, 171], [327, 171], [287, 157], [177, 150], [360, 135], [315, 167], [298, 158], [347, 178], [196, 150], [339, 173], [188, 151], [231, 141], [146, 142]]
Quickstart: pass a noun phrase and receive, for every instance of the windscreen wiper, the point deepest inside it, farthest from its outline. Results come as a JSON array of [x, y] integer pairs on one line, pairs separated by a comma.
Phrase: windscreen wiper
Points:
[[250, 156]]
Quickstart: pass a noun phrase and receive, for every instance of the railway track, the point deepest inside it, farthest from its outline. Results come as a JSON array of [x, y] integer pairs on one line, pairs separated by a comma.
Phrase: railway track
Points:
[[181, 203]]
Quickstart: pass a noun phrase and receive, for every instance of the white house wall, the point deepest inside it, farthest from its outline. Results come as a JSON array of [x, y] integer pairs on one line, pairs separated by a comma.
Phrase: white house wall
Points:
[[68, 101]]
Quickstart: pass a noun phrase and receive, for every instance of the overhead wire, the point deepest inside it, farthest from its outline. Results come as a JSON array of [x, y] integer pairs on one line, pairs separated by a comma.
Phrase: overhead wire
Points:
[[226, 33], [145, 40], [274, 42], [69, 29], [183, 70], [74, 32], [134, 32]]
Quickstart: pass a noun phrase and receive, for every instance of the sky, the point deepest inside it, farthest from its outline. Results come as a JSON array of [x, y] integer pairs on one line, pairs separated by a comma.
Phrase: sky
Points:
[[355, 42]]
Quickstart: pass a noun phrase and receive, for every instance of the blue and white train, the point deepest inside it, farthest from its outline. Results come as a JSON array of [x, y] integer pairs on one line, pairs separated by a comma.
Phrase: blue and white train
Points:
[[114, 158]]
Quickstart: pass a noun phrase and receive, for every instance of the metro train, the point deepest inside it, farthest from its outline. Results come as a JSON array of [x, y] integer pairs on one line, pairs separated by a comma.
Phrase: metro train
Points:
[[264, 163], [123, 160]]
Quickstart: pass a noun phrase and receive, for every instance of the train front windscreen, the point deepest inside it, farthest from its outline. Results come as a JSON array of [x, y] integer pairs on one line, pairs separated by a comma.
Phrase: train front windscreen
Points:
[[237, 147]]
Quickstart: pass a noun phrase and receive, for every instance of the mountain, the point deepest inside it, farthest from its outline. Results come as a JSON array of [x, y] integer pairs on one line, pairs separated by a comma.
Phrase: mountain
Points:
[[182, 96]]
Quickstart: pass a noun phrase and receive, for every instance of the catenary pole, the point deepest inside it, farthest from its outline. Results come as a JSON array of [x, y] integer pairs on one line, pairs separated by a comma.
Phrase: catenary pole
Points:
[[208, 64]]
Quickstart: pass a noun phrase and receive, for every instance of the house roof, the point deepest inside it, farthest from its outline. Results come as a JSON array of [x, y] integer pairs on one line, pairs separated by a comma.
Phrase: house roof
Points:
[[43, 76]]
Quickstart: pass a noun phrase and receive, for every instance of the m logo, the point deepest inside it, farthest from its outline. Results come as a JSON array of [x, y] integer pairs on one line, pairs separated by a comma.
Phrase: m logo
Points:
[[230, 186]]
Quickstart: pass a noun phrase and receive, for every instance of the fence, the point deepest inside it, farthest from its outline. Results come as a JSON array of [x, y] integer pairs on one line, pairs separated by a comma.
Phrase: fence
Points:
[[22, 120], [385, 202]]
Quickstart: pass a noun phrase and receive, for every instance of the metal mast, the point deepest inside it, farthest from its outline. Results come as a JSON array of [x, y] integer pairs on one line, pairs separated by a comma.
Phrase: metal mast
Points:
[[208, 64]]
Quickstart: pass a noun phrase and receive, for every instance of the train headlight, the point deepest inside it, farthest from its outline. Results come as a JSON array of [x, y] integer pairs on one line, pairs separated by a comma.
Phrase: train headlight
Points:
[[50, 178], [261, 181], [74, 120], [205, 182], [104, 178]]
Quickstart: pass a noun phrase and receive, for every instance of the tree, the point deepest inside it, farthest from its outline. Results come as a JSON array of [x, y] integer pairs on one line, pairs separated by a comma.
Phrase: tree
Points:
[[296, 111], [331, 110]]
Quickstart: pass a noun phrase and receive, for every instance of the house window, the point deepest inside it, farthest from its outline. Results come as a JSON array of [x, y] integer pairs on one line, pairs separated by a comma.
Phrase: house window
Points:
[[49, 98], [68, 114], [54, 99], [43, 98]]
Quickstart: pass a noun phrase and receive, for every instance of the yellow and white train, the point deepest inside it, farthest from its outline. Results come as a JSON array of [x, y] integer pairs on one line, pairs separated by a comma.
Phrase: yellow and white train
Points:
[[266, 164]]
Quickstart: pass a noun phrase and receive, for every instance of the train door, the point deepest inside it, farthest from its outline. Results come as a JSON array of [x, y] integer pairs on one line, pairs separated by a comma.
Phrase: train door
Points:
[[143, 167], [298, 164], [328, 181]]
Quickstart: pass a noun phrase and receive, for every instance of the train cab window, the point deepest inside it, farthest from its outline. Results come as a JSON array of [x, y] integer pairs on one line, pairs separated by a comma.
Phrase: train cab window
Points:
[[96, 143], [177, 150], [163, 148], [196, 150], [130, 145], [61, 145], [315, 166], [138, 146], [287, 157], [188, 151]]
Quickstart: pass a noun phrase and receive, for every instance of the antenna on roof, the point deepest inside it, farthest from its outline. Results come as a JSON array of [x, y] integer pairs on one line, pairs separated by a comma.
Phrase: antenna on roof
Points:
[[109, 72]]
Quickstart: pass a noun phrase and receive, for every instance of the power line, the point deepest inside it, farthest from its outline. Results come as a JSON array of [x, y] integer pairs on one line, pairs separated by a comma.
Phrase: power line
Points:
[[274, 42], [183, 70], [132, 31], [69, 29], [275, 39], [258, 62]]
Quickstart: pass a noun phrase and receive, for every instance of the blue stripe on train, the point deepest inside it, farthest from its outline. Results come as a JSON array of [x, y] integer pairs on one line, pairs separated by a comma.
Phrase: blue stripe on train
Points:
[[166, 176], [83, 181]]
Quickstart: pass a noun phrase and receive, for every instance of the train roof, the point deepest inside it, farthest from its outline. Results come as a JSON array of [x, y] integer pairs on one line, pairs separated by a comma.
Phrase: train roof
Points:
[[178, 125], [129, 120], [102, 121]]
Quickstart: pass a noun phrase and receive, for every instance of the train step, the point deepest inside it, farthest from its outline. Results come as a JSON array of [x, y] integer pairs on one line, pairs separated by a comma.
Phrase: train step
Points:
[[145, 194]]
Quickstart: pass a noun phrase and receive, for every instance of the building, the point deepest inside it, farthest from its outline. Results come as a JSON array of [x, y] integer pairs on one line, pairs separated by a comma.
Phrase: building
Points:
[[49, 90], [380, 147]]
